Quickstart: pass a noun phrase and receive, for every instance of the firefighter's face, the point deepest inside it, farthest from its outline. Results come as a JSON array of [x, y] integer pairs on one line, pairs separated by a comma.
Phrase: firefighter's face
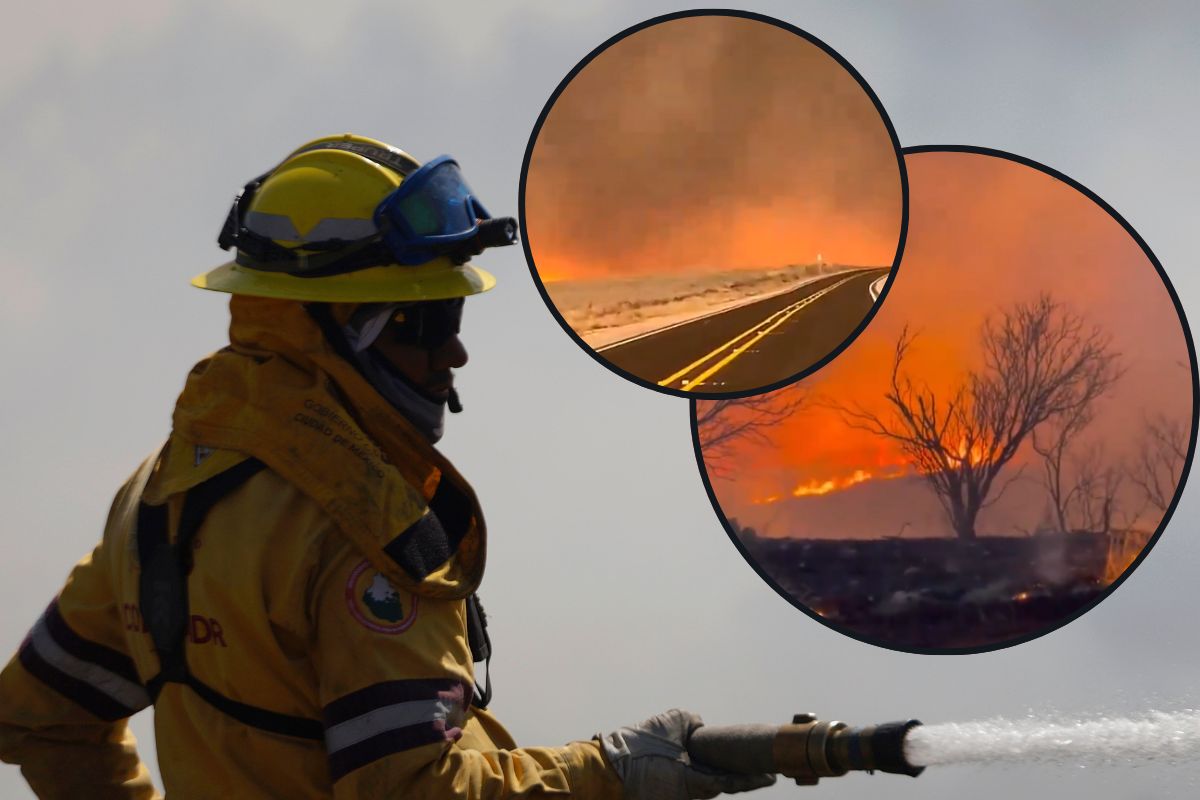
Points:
[[429, 368]]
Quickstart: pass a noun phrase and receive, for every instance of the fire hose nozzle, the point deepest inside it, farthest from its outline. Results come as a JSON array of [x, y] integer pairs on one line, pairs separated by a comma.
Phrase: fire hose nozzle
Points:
[[806, 750]]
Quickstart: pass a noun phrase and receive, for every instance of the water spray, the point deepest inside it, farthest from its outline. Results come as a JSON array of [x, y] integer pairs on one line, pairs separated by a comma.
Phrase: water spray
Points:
[[810, 749], [1154, 737], [806, 750]]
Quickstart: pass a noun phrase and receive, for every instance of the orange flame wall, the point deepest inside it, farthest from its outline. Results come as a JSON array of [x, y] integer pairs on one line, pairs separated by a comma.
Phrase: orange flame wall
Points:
[[984, 233], [711, 143]]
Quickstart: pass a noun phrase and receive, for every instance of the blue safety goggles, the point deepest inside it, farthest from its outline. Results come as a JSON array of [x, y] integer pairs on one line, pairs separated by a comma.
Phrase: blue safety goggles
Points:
[[432, 210], [432, 214]]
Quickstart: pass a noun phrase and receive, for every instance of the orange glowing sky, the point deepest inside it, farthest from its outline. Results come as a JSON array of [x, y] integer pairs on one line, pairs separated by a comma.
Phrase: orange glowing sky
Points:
[[984, 233], [710, 143]]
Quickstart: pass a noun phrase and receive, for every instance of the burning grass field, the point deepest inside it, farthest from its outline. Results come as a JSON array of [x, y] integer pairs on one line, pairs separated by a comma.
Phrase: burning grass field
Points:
[[939, 593], [603, 311]]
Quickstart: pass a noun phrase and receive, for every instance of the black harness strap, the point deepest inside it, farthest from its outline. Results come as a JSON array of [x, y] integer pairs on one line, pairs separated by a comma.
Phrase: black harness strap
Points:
[[481, 649], [163, 598], [261, 718], [161, 595], [164, 601]]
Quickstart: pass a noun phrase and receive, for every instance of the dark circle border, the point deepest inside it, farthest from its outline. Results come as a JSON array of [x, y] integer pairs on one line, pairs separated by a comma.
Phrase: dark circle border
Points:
[[1183, 475], [712, 12]]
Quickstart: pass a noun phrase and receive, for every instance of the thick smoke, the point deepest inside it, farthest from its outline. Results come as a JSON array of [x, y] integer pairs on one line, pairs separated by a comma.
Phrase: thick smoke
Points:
[[985, 233], [710, 143]]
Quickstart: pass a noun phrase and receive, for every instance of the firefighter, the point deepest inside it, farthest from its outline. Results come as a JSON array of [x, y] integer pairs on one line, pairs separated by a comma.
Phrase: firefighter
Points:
[[290, 581]]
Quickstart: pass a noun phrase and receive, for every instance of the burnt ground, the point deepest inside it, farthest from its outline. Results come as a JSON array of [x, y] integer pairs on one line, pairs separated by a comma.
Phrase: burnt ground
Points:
[[938, 593]]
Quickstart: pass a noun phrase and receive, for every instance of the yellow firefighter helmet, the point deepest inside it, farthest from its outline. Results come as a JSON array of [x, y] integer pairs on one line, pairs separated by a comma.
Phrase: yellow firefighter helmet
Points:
[[347, 219]]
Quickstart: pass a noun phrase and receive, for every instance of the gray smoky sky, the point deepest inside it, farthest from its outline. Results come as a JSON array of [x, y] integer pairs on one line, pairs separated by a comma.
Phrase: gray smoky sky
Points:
[[612, 590]]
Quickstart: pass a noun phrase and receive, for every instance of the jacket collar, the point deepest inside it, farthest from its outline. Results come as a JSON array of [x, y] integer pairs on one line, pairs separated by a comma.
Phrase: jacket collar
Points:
[[282, 394]]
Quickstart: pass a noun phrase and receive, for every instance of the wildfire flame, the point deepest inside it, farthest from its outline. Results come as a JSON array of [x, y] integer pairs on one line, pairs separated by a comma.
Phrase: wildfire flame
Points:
[[817, 486], [972, 455], [832, 485]]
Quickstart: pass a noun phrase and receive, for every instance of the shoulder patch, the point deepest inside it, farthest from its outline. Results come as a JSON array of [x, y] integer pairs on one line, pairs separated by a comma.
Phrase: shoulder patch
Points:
[[376, 603]]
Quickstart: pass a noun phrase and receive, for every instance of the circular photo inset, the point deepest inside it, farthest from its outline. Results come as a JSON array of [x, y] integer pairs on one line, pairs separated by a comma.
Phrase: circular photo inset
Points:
[[712, 203], [1001, 448]]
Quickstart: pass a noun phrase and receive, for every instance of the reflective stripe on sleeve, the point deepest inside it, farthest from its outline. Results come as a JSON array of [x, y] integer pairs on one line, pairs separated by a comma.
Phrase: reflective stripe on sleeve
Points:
[[96, 677], [392, 717]]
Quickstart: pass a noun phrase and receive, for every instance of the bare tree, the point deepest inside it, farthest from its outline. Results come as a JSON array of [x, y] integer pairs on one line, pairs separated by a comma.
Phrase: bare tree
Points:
[[721, 423], [1078, 492], [1160, 463], [1095, 490], [1052, 446], [1040, 361]]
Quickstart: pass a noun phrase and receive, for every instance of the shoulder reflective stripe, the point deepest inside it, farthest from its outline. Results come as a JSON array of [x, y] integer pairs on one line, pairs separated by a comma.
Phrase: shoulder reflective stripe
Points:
[[61, 663], [392, 717]]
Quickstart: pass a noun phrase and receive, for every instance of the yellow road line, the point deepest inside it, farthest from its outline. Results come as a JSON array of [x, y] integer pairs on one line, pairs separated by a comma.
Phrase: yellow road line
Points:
[[721, 348], [699, 379], [775, 320]]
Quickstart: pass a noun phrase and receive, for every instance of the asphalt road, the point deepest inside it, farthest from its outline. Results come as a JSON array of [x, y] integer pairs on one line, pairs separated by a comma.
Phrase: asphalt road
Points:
[[753, 345]]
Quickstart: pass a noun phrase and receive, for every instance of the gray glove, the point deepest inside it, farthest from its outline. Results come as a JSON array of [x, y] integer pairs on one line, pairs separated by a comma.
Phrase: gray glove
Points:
[[652, 761]]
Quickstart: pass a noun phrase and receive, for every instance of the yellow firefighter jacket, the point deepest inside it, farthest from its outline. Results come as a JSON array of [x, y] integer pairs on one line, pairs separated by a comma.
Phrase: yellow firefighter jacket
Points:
[[325, 628]]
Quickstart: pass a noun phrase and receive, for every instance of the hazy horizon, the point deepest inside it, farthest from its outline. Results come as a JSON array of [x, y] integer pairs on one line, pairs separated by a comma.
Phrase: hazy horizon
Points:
[[711, 142], [985, 234], [610, 580]]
